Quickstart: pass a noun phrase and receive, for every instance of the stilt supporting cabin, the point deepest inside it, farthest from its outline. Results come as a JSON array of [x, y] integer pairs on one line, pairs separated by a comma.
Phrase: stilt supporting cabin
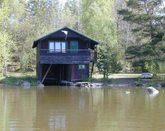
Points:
[[64, 55], [92, 68]]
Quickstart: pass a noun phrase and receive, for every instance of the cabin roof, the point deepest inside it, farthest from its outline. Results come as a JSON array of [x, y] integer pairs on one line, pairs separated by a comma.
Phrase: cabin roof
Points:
[[35, 43]]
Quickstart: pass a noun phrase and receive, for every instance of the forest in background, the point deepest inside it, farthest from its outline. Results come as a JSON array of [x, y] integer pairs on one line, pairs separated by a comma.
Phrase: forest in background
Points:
[[131, 34]]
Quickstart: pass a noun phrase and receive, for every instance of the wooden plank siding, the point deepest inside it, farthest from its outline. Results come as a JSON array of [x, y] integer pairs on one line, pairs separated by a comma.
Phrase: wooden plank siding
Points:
[[82, 44], [69, 57], [83, 55], [79, 74], [66, 62]]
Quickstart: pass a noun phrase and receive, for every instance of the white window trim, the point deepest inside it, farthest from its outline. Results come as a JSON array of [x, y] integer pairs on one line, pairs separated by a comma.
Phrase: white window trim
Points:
[[57, 47], [51, 44], [81, 66]]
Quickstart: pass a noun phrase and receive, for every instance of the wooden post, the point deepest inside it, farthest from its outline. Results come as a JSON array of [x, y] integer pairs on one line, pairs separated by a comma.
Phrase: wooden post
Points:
[[92, 68], [63, 71], [94, 59], [39, 71], [46, 73]]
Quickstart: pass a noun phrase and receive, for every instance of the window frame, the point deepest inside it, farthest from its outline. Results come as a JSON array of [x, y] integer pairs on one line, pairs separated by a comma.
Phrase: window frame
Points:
[[57, 47], [51, 50], [76, 45], [81, 66]]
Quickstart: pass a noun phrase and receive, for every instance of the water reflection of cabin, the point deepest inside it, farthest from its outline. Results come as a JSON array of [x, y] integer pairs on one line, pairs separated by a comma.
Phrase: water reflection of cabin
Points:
[[64, 55]]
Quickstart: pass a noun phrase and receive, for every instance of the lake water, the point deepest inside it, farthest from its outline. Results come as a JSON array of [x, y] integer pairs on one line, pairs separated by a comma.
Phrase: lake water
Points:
[[71, 109]]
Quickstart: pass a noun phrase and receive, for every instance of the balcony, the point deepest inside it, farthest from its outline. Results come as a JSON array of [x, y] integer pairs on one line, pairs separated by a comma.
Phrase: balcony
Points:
[[83, 56]]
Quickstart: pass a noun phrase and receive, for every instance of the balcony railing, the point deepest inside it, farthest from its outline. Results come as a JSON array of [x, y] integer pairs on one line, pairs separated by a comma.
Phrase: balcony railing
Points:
[[65, 52], [67, 56]]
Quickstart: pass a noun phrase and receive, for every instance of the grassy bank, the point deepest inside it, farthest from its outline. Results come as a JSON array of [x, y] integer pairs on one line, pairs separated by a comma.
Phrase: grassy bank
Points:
[[130, 79], [13, 78], [117, 79]]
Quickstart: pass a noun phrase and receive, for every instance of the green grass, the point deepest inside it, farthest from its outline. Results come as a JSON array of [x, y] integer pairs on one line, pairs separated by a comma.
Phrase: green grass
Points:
[[117, 76], [13, 78]]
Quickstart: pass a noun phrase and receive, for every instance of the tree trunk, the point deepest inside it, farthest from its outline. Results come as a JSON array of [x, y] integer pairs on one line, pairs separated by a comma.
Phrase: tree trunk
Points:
[[104, 75]]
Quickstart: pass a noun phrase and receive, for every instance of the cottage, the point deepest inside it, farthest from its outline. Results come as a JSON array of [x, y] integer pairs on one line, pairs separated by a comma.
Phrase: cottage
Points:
[[64, 55]]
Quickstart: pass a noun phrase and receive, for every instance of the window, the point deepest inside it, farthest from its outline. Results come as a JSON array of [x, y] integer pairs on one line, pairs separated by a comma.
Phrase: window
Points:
[[63, 47], [80, 67], [57, 46], [74, 45], [51, 47]]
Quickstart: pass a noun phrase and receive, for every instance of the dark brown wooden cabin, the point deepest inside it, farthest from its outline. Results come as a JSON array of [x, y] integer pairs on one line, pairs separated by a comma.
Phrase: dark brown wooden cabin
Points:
[[64, 55]]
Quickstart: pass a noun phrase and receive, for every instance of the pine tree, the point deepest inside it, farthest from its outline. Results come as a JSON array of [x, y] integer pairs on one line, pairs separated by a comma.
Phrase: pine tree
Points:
[[149, 20], [107, 61]]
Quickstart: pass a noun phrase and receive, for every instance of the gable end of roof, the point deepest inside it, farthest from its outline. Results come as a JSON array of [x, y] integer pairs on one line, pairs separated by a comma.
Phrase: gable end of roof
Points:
[[35, 43]]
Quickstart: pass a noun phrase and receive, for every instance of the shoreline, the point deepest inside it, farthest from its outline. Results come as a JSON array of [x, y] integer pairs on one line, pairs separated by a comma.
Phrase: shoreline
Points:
[[115, 80]]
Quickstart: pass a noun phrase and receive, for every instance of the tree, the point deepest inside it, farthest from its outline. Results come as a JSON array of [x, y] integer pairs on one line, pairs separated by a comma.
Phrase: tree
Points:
[[6, 42], [32, 20], [98, 22], [148, 19], [22, 22], [124, 34], [69, 14], [107, 61]]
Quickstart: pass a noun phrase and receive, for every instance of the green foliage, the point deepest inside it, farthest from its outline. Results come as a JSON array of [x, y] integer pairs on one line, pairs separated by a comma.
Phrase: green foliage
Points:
[[149, 30], [103, 61], [22, 22], [107, 61], [97, 22], [115, 63], [6, 42], [12, 80]]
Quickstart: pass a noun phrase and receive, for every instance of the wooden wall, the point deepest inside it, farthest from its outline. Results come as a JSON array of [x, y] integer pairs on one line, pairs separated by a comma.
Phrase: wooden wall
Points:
[[82, 44], [68, 60], [79, 74]]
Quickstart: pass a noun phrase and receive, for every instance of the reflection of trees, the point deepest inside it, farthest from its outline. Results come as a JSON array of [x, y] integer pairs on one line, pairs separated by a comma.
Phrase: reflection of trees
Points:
[[64, 109], [98, 109], [117, 110], [76, 109], [18, 110], [57, 121]]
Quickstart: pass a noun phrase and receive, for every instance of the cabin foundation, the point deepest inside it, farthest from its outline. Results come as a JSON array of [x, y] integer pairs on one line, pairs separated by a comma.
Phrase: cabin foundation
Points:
[[52, 74]]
